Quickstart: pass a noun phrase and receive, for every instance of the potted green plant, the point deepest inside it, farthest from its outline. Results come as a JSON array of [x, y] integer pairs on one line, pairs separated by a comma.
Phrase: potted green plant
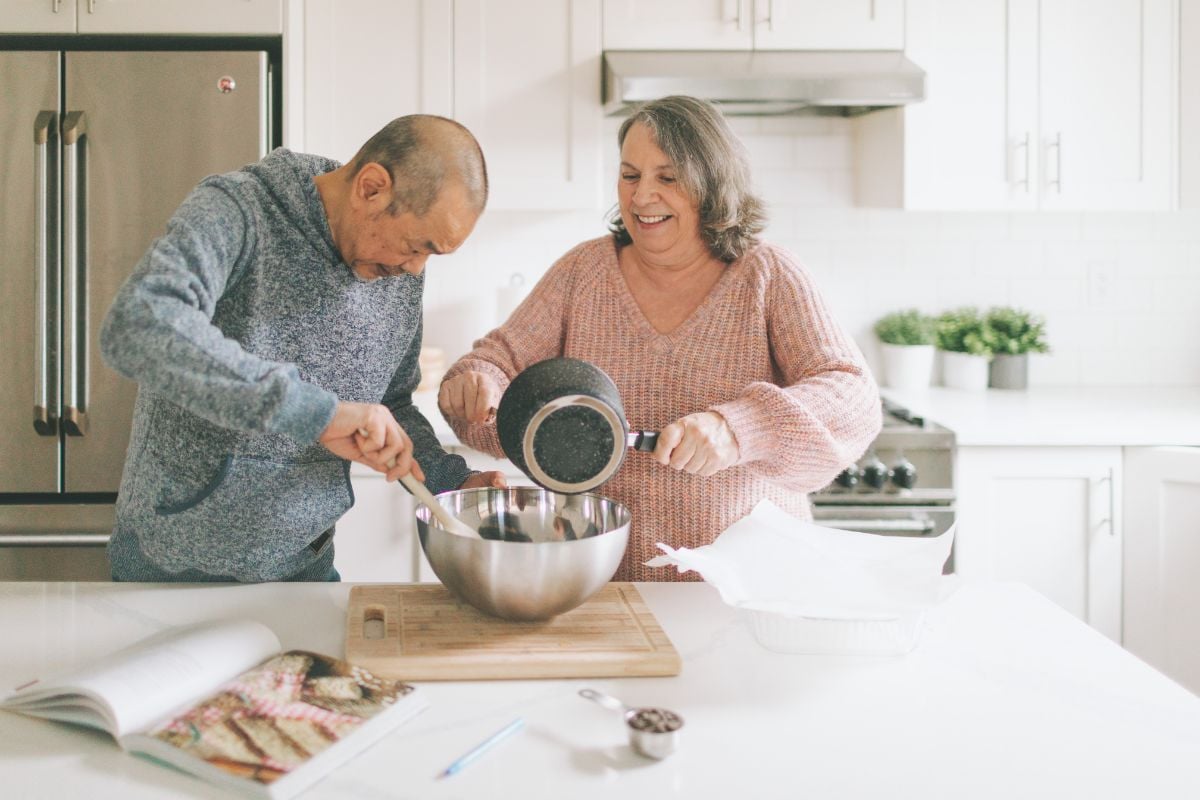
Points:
[[906, 347], [1014, 333], [962, 337]]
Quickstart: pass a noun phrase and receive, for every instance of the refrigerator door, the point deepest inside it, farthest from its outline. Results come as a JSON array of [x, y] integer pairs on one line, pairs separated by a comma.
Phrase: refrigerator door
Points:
[[29, 458], [147, 126]]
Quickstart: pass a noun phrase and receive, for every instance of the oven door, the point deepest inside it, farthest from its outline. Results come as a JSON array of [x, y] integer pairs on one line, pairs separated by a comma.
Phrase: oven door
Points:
[[889, 520]]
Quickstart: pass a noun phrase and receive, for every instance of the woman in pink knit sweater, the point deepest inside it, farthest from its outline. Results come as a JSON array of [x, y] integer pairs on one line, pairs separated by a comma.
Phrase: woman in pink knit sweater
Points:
[[718, 340]]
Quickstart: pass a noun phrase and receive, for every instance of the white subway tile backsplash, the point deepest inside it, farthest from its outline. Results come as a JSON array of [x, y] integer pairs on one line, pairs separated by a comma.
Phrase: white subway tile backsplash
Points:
[[1120, 291]]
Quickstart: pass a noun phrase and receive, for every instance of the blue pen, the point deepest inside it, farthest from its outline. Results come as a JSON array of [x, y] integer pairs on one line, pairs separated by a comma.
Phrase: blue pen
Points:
[[483, 747]]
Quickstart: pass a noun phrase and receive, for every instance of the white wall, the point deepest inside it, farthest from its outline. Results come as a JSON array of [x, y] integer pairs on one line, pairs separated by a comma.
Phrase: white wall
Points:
[[1120, 291]]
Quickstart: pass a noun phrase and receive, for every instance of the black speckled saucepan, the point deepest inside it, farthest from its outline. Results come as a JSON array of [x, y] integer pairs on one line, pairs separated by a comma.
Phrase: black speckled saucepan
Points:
[[562, 423]]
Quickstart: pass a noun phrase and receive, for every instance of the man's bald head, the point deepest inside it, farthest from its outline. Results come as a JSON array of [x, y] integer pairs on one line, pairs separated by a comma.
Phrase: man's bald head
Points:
[[423, 154]]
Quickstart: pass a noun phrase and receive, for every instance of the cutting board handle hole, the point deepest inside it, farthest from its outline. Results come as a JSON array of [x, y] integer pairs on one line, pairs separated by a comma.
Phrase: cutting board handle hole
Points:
[[373, 623]]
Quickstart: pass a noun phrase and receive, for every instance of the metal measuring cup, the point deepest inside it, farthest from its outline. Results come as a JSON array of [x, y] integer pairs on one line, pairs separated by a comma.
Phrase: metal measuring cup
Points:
[[653, 732]]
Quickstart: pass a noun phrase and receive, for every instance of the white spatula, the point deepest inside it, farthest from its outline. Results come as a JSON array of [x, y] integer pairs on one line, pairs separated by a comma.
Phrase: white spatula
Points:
[[422, 493]]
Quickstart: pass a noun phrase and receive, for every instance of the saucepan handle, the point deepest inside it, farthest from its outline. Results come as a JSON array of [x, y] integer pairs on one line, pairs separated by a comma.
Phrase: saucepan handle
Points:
[[643, 440]]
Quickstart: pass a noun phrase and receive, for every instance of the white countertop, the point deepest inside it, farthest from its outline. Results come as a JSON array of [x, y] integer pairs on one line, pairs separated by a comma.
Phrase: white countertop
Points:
[[1085, 415], [1006, 696]]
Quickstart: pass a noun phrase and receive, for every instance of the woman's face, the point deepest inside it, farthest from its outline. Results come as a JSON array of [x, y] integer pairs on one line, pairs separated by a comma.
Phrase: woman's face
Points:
[[662, 219]]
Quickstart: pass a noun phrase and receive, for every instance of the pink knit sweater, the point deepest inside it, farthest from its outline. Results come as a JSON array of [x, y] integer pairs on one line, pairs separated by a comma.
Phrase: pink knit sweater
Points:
[[762, 350]]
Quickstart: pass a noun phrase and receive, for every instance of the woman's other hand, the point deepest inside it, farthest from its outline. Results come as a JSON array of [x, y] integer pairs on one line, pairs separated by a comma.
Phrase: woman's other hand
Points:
[[485, 480], [701, 444], [472, 396]]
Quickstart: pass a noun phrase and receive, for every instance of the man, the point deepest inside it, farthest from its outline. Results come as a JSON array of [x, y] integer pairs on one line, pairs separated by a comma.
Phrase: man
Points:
[[274, 332]]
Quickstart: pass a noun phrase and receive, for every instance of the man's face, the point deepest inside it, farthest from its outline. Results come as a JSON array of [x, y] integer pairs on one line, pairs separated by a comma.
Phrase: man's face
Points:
[[383, 245]]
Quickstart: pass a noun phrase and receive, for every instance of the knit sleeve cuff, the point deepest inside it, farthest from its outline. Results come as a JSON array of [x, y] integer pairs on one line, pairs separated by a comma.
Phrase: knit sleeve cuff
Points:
[[753, 430], [305, 412]]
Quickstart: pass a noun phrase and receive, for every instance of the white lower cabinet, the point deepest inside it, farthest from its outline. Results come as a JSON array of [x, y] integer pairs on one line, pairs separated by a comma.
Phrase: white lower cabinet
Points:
[[1049, 517], [377, 539], [1162, 559]]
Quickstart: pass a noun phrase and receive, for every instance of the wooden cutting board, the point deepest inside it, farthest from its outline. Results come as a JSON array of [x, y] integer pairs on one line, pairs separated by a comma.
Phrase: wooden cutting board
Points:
[[424, 633]]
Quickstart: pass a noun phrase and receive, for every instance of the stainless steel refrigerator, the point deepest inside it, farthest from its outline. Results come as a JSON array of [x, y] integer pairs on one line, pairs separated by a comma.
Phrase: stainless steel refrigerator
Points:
[[97, 149]]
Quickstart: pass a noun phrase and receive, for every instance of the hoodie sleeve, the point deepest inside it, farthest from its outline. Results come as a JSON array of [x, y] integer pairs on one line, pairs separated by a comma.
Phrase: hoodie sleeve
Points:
[[443, 471], [159, 330]]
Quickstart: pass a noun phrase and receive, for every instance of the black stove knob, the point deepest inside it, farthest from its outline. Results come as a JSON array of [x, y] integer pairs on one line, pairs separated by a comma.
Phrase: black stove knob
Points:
[[875, 474], [848, 478], [904, 474]]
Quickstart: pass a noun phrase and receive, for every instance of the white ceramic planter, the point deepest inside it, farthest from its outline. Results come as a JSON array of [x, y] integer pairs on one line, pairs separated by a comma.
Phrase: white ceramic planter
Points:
[[907, 366], [964, 371]]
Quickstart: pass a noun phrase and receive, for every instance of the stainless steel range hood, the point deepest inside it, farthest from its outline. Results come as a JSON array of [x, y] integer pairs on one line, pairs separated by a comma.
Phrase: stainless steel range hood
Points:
[[763, 82]]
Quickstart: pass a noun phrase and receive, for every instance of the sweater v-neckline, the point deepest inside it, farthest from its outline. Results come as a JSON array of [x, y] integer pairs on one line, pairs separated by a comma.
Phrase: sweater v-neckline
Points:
[[639, 318]]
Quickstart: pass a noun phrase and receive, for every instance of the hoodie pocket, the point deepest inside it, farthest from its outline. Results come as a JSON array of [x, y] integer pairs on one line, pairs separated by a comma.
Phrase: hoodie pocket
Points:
[[254, 513]]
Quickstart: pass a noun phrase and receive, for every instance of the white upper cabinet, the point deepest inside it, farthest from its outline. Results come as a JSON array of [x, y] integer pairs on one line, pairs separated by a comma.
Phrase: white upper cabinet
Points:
[[754, 24], [1041, 105], [525, 78], [825, 25], [215, 17], [350, 91], [527, 84], [678, 24], [37, 16]]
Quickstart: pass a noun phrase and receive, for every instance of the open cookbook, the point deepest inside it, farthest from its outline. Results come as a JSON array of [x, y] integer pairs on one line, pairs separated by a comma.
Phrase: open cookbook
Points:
[[220, 701]]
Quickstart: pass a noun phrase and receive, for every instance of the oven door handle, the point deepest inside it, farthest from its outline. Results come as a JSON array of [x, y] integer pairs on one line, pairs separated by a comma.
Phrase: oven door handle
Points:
[[921, 527], [84, 539]]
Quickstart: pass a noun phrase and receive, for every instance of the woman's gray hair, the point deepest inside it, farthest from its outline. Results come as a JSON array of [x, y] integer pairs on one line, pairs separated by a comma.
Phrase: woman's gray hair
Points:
[[711, 166]]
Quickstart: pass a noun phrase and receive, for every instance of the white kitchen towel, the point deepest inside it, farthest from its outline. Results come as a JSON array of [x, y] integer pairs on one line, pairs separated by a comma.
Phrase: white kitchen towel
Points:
[[771, 561]]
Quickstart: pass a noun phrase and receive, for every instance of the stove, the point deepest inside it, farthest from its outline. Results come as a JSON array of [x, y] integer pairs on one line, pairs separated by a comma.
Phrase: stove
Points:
[[903, 485]]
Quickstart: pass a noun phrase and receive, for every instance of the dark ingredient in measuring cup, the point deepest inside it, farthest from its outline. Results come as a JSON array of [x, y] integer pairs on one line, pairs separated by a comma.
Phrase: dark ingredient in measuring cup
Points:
[[655, 720]]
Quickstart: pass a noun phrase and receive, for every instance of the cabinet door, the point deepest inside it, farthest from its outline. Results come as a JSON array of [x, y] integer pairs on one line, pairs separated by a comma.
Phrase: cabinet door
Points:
[[1106, 101], [972, 143], [1162, 559], [352, 90], [1047, 517], [527, 84], [263, 17], [822, 25], [37, 16], [678, 24], [376, 539]]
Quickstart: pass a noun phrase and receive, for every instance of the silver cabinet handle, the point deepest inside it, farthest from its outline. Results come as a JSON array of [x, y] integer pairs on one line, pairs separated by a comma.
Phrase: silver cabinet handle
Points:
[[54, 5], [1056, 145], [91, 6], [1023, 145], [74, 137], [770, 20], [45, 223], [1111, 522], [53, 539]]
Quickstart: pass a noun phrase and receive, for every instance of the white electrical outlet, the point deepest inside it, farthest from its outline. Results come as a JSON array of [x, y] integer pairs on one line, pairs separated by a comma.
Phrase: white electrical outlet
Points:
[[1101, 283]]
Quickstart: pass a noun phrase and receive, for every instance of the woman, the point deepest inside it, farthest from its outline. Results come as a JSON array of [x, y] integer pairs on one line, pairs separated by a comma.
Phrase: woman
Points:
[[719, 341]]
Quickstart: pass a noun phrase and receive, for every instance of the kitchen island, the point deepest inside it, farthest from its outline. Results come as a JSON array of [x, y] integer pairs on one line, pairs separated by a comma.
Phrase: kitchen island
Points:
[[1005, 696]]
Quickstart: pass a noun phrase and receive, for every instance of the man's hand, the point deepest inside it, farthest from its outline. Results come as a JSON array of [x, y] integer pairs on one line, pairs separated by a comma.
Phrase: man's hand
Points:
[[485, 480], [472, 396], [701, 444], [369, 434]]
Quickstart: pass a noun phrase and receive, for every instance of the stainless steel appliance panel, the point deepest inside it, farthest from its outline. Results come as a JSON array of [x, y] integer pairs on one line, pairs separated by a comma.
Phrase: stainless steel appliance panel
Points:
[[153, 125], [62, 541], [29, 460]]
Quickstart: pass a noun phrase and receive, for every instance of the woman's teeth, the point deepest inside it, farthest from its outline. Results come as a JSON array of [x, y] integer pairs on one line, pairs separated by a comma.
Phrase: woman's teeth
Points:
[[651, 220]]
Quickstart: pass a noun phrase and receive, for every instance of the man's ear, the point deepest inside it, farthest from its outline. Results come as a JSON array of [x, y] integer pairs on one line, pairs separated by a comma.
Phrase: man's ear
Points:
[[373, 185]]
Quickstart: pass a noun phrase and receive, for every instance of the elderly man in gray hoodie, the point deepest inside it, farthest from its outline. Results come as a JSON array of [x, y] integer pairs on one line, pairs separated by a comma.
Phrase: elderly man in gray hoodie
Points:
[[273, 331]]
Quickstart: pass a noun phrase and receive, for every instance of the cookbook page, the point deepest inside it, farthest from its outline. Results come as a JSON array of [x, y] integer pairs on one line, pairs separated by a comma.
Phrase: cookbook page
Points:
[[132, 688]]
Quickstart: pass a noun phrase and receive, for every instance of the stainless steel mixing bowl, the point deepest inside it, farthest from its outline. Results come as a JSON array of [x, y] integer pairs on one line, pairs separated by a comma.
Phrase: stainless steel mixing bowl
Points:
[[537, 555]]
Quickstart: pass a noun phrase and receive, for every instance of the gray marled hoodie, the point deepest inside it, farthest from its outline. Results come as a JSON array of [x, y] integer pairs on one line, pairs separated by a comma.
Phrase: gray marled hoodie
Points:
[[243, 328]]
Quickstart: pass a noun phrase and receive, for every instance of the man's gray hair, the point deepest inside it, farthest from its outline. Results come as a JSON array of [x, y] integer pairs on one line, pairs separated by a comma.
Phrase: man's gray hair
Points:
[[711, 166], [420, 151]]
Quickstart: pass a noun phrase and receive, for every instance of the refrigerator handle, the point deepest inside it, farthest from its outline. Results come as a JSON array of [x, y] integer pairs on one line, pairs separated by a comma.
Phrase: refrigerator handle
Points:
[[74, 138], [45, 215]]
